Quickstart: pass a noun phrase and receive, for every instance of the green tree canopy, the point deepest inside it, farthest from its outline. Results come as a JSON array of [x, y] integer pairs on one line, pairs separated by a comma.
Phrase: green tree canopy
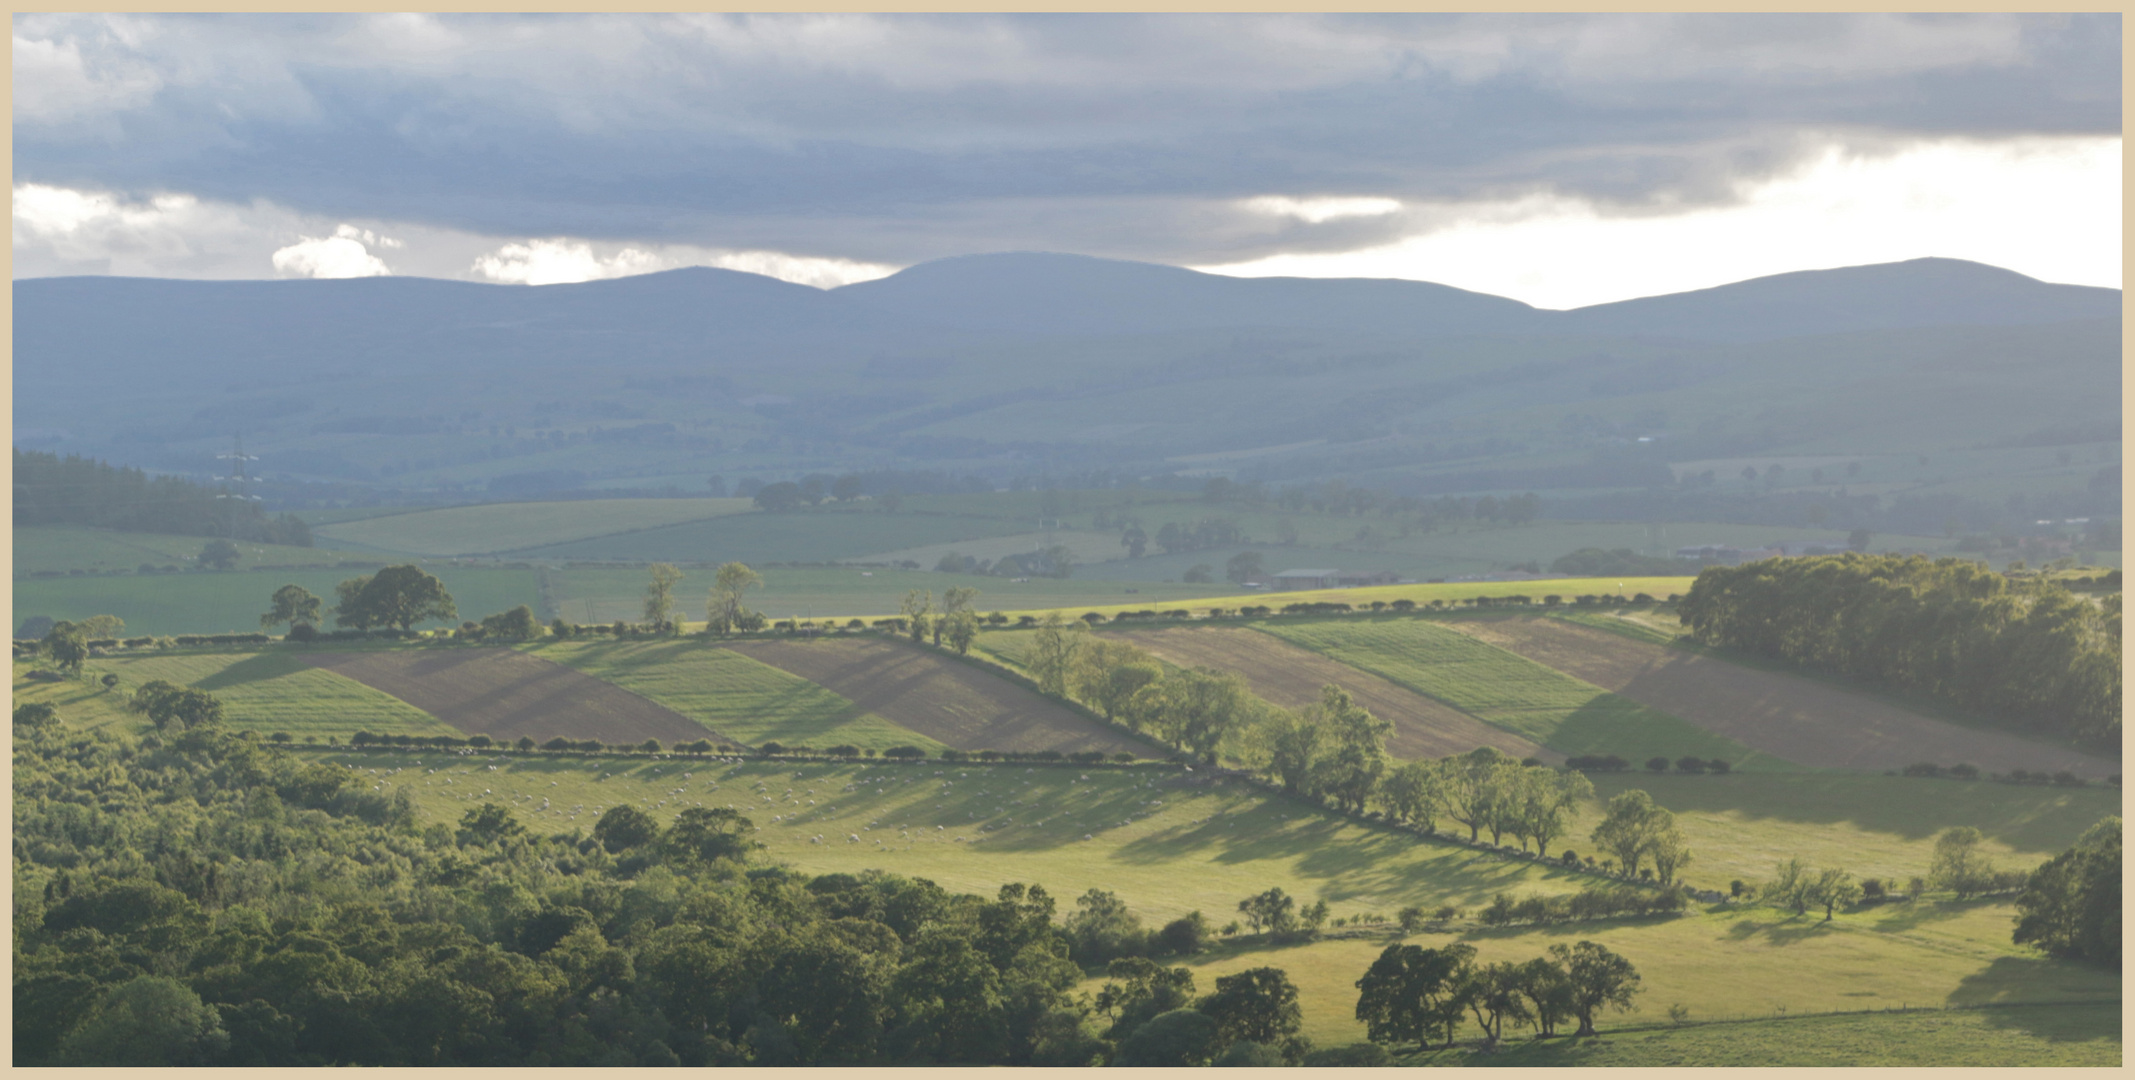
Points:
[[398, 596], [293, 605]]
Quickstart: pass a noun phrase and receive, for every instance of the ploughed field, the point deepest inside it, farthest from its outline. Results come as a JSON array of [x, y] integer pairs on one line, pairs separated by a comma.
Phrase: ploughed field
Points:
[[954, 703], [506, 694], [1786, 715]]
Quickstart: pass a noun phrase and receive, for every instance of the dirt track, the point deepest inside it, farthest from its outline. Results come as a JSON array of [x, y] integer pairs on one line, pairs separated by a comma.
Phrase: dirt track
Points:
[[505, 694], [954, 703], [1797, 718], [1291, 677]]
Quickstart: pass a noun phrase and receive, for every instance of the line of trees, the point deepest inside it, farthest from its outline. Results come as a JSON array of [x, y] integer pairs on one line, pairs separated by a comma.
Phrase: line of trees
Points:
[[1416, 995], [2027, 651], [74, 490]]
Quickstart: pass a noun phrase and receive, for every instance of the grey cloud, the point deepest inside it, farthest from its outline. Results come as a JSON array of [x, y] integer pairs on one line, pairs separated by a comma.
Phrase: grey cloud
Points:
[[896, 138]]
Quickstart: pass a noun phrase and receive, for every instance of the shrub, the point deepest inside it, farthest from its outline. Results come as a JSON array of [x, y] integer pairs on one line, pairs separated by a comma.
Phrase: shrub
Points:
[[1657, 764], [1182, 937], [1964, 772], [557, 743], [773, 747], [953, 754], [1717, 767], [1690, 764], [1923, 769], [904, 753], [843, 750], [1872, 888], [1128, 759]]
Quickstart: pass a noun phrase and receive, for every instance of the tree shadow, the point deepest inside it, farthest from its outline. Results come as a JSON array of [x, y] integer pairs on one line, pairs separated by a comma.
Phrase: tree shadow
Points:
[[2023, 980]]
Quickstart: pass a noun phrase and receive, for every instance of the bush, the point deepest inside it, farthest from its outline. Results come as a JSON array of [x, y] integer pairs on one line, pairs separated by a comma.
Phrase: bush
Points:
[[1657, 764], [1717, 767], [843, 750], [1923, 769], [772, 748], [1182, 937], [1872, 889], [1964, 772], [953, 754], [1128, 759], [1690, 764], [904, 753]]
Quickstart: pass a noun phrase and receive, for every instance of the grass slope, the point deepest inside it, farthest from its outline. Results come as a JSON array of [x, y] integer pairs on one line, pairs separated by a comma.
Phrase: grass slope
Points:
[[221, 603], [731, 693], [260, 691], [488, 527], [1512, 692]]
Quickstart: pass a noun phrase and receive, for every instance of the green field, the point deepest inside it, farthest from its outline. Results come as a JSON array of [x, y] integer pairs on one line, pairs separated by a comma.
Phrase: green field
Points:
[[1511, 692], [487, 527], [820, 536], [263, 691], [600, 596], [731, 693], [60, 548], [971, 828], [1422, 593], [2029, 1035], [232, 602]]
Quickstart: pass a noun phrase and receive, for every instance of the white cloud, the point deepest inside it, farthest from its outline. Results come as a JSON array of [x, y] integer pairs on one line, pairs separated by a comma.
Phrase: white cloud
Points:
[[2050, 208], [561, 260], [1315, 211], [342, 255]]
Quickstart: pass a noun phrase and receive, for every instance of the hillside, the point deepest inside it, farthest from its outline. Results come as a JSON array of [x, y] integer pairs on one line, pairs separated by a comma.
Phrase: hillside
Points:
[[1000, 366]]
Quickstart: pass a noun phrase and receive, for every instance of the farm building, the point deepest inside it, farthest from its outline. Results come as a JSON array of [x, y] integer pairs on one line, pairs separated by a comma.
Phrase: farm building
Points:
[[1333, 579]]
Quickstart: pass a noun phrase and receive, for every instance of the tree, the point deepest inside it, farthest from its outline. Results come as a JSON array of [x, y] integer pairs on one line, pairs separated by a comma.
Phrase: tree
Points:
[[1790, 887], [219, 555], [149, 1020], [1294, 744], [1351, 771], [625, 827], [961, 629], [490, 824], [1255, 1005], [1634, 828], [102, 627], [1476, 786], [518, 624], [2070, 906], [1548, 990], [1598, 979], [1061, 560], [1411, 994], [1181, 1037], [1138, 989], [1107, 675], [1493, 995], [1273, 912], [1135, 541], [1198, 574], [723, 611], [1102, 929], [1959, 865], [396, 596], [292, 604], [182, 708], [1412, 792], [956, 611], [917, 608], [67, 646], [710, 833], [1052, 653], [1195, 708], [1243, 567], [660, 594], [1545, 802], [1834, 888]]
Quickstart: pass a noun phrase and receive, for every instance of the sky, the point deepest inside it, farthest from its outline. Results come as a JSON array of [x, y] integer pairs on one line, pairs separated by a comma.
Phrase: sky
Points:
[[1559, 160]]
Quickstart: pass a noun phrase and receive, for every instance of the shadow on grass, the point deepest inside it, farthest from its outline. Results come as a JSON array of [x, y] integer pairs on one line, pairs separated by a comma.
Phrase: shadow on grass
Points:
[[2059, 1023], [259, 667]]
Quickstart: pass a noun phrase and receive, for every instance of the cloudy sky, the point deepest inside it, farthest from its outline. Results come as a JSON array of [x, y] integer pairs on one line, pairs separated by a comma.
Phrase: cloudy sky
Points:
[[1561, 160]]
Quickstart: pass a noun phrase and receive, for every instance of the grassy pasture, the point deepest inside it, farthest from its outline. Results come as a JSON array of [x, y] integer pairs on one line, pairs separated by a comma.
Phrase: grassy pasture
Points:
[[1510, 691], [222, 603], [1723, 964], [1166, 850], [1739, 825], [486, 527], [78, 547], [2057, 1035], [264, 691], [731, 693]]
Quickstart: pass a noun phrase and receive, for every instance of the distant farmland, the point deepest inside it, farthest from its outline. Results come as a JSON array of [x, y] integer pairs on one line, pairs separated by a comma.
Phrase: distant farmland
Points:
[[488, 527]]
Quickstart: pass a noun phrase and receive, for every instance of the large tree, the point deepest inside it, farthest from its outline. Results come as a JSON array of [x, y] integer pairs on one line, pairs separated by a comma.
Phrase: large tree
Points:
[[723, 610], [1256, 1005], [1598, 979], [1959, 865], [1412, 994], [292, 604], [660, 594], [67, 646], [395, 596], [2070, 906], [1051, 655]]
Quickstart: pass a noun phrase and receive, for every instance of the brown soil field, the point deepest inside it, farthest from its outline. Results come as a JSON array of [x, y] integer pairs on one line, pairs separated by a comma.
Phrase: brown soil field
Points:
[[954, 703], [504, 694], [1797, 718], [1291, 677]]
